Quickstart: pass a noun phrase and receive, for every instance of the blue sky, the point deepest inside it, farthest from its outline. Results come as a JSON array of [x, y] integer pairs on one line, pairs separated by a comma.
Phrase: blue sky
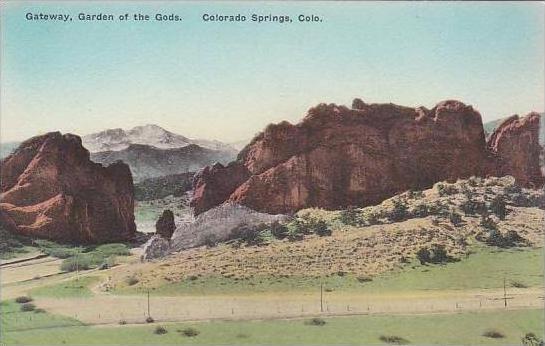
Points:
[[227, 81]]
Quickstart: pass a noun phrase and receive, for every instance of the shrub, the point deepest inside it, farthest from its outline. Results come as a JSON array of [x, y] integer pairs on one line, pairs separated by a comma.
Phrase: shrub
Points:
[[446, 189], [122, 322], [351, 216], [494, 334], [113, 249], [455, 218], [210, 240], [39, 311], [420, 210], [23, 299], [497, 206], [436, 255], [132, 280], [190, 332], [370, 216], [510, 239], [399, 212], [160, 330], [278, 230], [518, 284], [321, 228], [530, 339], [363, 279], [471, 207], [423, 255], [28, 307], [392, 339], [80, 262], [488, 223], [249, 235], [315, 322], [149, 319]]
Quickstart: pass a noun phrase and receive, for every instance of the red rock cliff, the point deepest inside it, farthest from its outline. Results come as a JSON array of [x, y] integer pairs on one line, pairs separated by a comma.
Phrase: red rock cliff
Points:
[[337, 157], [515, 144], [51, 189]]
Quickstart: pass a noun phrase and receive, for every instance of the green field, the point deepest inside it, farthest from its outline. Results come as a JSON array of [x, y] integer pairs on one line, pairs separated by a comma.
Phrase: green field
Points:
[[14, 320], [440, 329], [486, 268], [75, 288]]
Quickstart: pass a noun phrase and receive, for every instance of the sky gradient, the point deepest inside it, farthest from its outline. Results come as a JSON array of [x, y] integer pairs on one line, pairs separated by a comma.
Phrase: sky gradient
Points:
[[227, 81]]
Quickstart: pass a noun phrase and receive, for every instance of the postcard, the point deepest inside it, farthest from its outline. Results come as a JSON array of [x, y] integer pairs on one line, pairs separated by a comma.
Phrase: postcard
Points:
[[272, 173]]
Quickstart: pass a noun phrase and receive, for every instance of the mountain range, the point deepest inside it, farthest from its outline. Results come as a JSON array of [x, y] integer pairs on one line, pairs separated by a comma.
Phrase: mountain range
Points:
[[150, 135]]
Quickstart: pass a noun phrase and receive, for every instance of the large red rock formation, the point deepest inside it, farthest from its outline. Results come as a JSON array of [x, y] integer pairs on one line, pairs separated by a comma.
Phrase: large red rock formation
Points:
[[337, 157], [50, 189], [515, 143]]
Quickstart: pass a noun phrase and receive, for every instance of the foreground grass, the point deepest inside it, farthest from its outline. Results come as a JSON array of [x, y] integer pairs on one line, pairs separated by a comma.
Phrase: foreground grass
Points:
[[13, 319], [440, 329], [486, 268], [76, 288]]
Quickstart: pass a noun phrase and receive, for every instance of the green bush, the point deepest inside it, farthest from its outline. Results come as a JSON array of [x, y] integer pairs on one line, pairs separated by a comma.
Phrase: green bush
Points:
[[498, 207], [316, 322], [132, 280], [493, 333], [436, 255], [394, 340], [251, 235], [23, 299], [160, 330], [488, 223], [278, 230], [530, 339], [351, 216], [80, 262], [471, 207], [28, 307], [420, 210], [455, 218], [509, 239], [190, 332], [113, 249], [399, 212], [300, 227], [446, 189]]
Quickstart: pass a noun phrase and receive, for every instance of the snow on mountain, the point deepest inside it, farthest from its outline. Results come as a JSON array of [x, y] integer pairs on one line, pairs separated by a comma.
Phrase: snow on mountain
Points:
[[152, 135]]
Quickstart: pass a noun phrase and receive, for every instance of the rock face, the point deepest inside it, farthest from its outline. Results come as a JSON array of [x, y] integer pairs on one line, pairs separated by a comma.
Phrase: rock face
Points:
[[51, 189], [214, 225], [515, 143], [338, 157], [165, 225]]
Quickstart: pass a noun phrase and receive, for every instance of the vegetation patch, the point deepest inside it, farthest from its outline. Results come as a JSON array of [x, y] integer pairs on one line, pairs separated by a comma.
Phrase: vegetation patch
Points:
[[393, 339], [493, 334]]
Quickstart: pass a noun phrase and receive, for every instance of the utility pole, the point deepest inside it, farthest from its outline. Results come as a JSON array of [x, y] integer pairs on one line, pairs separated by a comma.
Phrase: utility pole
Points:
[[148, 304], [504, 294], [321, 297], [77, 264]]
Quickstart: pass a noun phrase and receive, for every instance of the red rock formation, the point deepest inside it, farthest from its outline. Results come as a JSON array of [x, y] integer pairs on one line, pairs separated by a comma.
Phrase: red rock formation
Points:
[[515, 143], [337, 157], [165, 225], [50, 189]]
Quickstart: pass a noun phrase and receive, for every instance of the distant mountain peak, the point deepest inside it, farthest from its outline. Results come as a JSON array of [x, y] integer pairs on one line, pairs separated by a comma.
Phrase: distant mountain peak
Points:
[[150, 134]]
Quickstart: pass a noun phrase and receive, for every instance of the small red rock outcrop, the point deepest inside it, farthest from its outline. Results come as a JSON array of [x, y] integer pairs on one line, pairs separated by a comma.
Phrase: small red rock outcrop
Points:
[[515, 144], [338, 157], [165, 225], [51, 189]]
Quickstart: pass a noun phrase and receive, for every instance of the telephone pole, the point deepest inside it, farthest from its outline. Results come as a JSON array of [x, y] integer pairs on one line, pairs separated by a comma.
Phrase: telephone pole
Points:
[[321, 297], [148, 304]]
